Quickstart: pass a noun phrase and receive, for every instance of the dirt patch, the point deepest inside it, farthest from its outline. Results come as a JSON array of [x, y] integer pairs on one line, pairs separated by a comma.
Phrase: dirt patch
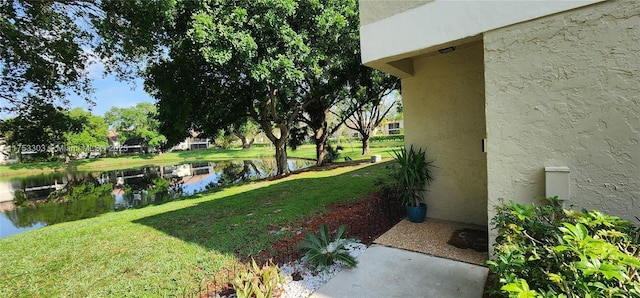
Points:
[[470, 238], [365, 219]]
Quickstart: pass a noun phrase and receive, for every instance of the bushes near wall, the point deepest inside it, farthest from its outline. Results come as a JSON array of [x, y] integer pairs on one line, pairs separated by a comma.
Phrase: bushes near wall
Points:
[[547, 251]]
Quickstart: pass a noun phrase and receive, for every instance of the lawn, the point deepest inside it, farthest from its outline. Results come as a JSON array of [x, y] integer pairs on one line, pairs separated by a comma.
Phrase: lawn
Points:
[[352, 150], [165, 250]]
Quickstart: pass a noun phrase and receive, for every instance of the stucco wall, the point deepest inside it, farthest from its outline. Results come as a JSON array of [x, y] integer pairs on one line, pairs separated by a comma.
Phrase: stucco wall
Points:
[[444, 111], [564, 90], [375, 10]]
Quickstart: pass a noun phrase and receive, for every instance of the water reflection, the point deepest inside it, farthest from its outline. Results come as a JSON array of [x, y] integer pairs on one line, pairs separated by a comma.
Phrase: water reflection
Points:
[[130, 188]]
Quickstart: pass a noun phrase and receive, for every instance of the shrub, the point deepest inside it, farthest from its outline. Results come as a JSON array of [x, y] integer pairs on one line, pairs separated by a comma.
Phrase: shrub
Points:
[[398, 137], [258, 281], [546, 251], [320, 252]]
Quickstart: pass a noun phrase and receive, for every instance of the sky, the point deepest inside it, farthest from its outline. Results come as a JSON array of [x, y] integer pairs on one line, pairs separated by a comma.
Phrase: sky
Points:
[[109, 92]]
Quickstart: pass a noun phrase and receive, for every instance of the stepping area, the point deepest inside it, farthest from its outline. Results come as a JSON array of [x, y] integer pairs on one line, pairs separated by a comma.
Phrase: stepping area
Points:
[[413, 260], [392, 272]]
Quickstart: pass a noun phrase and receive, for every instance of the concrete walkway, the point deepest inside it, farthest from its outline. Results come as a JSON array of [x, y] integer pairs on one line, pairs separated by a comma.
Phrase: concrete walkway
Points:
[[391, 272]]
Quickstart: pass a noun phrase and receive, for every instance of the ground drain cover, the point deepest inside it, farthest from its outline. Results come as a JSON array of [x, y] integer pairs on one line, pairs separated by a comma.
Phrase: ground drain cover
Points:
[[470, 238]]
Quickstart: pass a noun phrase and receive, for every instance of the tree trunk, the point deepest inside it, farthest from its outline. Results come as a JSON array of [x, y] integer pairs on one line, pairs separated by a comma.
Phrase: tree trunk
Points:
[[365, 145], [246, 142], [281, 156], [321, 152]]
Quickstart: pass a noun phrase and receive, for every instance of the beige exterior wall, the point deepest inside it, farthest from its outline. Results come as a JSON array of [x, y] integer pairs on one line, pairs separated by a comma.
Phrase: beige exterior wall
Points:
[[374, 10], [444, 111], [564, 90]]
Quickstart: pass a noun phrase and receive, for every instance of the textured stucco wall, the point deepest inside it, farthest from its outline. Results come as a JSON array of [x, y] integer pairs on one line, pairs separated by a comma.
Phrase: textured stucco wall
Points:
[[444, 111], [564, 90], [375, 10]]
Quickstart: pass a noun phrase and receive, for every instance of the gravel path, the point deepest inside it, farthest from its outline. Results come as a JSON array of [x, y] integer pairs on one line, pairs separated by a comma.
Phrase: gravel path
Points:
[[312, 281]]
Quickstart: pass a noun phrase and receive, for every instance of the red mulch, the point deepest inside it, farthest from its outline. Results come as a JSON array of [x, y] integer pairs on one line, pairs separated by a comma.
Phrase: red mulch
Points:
[[365, 219]]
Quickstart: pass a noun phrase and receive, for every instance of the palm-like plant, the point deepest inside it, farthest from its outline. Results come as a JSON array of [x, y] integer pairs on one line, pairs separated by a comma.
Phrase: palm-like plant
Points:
[[320, 251], [413, 174]]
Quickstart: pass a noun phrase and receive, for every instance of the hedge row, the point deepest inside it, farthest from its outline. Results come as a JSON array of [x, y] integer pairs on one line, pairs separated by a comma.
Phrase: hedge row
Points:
[[547, 251]]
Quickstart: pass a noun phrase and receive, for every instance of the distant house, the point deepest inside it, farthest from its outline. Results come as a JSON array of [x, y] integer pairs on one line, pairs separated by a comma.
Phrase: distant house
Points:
[[505, 94], [192, 143], [386, 127], [132, 145], [392, 127]]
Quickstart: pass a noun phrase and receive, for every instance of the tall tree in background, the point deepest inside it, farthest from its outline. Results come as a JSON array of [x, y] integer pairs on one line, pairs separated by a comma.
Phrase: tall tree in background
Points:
[[337, 40], [371, 89], [239, 58], [245, 130], [39, 128], [138, 122], [42, 56], [91, 137]]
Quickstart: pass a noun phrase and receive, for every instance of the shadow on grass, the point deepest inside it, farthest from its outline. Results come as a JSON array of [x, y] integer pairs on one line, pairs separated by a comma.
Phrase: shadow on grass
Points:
[[249, 222]]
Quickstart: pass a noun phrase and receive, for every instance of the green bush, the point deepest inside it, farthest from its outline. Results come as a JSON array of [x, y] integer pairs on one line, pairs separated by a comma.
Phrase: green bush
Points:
[[260, 282], [320, 251], [546, 251], [398, 137]]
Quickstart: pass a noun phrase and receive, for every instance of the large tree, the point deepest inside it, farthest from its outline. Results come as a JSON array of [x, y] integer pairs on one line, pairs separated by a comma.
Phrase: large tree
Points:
[[137, 122], [337, 41], [39, 128], [42, 51], [371, 88], [91, 137], [329, 86], [245, 130], [213, 63]]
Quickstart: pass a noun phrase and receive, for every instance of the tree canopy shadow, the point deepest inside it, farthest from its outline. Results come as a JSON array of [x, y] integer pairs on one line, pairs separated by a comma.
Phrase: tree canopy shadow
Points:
[[248, 222]]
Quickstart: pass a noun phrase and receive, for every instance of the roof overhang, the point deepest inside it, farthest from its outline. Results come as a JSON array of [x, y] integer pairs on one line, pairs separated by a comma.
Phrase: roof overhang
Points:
[[390, 44]]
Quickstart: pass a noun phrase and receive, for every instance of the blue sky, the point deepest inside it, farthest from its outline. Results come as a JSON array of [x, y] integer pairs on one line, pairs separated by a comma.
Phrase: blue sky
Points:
[[109, 92]]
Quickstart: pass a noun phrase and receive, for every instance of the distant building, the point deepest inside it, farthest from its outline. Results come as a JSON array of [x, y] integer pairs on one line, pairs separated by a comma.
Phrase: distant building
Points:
[[192, 143]]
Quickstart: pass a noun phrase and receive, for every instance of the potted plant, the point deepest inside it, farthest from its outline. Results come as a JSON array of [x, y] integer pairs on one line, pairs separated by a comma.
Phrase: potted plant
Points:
[[413, 174]]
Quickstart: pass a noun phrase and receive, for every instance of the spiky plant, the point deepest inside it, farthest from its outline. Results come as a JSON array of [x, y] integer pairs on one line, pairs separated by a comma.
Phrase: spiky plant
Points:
[[320, 251], [259, 282], [413, 174]]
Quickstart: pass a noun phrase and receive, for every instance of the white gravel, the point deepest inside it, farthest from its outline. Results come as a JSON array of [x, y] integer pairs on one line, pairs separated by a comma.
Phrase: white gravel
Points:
[[312, 281]]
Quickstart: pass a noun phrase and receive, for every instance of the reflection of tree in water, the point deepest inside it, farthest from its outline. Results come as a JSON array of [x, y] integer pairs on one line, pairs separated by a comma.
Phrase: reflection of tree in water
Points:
[[236, 172], [90, 201], [88, 195], [74, 187], [153, 190], [81, 189]]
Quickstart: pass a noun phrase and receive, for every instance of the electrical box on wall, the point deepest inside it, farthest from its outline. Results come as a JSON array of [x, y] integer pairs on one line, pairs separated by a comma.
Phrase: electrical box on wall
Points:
[[557, 182]]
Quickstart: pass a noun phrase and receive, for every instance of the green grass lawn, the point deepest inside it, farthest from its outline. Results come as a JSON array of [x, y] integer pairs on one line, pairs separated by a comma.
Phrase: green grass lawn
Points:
[[352, 150], [164, 250]]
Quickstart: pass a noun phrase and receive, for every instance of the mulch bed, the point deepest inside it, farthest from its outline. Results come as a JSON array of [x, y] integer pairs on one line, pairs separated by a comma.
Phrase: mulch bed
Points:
[[365, 219]]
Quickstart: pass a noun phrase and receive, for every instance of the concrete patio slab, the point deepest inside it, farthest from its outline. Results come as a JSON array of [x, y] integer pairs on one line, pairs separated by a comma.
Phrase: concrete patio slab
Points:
[[391, 272]]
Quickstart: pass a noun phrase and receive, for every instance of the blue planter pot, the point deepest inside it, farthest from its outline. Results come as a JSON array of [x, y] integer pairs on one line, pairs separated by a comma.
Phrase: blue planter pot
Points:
[[416, 214]]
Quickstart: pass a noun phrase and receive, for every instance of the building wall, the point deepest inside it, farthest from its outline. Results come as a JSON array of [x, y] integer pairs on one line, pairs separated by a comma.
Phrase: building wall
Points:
[[564, 90], [375, 10], [444, 111]]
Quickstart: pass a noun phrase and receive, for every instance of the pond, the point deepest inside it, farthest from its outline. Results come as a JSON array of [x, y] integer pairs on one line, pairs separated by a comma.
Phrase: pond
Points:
[[118, 190]]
